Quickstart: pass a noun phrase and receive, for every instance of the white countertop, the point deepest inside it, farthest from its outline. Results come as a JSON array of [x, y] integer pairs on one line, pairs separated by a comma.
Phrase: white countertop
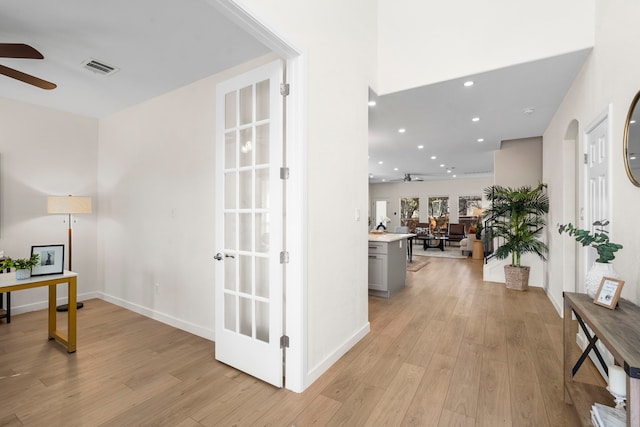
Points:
[[388, 237], [9, 279]]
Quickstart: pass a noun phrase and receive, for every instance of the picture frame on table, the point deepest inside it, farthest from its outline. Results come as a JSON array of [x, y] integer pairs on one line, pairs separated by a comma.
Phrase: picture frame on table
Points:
[[609, 292], [51, 259]]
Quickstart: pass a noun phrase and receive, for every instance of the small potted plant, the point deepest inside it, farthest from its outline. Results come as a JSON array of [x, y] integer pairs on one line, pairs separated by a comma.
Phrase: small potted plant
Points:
[[479, 230], [599, 240], [23, 266]]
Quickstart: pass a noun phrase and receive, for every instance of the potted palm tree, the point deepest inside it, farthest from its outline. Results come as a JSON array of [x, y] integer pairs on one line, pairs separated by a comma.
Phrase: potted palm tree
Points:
[[517, 217]]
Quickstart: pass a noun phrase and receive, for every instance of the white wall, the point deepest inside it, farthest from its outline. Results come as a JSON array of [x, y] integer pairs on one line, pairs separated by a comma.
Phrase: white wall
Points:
[[424, 42], [609, 77], [339, 43], [157, 194], [393, 192], [518, 162], [46, 152]]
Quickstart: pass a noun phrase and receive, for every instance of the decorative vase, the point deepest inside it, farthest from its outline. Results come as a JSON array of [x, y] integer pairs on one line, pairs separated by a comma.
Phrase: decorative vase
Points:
[[594, 276], [23, 273]]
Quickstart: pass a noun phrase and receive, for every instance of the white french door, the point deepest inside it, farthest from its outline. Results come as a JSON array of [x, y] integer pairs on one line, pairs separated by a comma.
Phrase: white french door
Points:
[[250, 223], [597, 177]]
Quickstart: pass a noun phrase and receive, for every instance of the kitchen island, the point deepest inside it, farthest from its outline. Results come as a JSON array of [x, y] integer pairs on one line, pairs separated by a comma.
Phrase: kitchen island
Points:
[[387, 263]]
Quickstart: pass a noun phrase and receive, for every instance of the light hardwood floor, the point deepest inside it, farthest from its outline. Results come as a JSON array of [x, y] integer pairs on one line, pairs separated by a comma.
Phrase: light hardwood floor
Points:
[[448, 350]]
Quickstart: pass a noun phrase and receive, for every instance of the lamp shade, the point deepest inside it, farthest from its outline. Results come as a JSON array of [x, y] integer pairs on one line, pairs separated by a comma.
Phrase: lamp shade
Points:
[[68, 205]]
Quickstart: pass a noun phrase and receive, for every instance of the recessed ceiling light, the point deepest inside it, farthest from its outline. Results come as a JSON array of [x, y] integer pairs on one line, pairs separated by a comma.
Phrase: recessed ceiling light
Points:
[[631, 122], [380, 162], [433, 157], [480, 139], [475, 119], [402, 130], [395, 169], [372, 103], [442, 165], [468, 83], [370, 176], [384, 180], [420, 147], [448, 170], [632, 156], [454, 176], [528, 111]]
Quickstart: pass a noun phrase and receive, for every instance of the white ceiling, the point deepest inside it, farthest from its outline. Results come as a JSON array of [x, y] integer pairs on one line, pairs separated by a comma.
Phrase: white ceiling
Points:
[[439, 117], [159, 45]]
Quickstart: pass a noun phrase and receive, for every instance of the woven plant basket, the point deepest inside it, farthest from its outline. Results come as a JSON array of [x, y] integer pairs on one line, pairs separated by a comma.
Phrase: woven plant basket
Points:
[[516, 277]]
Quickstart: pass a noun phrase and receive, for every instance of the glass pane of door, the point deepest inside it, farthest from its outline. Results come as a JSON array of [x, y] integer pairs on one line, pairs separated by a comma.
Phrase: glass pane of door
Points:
[[247, 210]]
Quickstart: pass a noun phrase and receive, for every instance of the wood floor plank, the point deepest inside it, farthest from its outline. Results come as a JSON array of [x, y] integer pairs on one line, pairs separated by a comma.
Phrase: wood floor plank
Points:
[[428, 401], [356, 409], [494, 403], [319, 412], [527, 405], [394, 403], [462, 396], [454, 419]]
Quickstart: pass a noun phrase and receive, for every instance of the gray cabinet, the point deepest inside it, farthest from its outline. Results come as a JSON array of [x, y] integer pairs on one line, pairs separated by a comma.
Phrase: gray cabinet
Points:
[[387, 267]]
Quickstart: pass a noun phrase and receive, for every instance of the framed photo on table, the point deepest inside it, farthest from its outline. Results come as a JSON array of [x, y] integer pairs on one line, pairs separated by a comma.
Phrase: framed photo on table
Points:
[[608, 292], [51, 260]]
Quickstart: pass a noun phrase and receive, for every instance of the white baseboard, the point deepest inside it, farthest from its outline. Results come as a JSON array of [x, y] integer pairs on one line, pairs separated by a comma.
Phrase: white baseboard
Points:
[[558, 305], [161, 317], [328, 361], [42, 305]]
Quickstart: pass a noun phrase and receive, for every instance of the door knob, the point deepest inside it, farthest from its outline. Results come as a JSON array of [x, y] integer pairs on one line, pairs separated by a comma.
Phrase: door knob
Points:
[[219, 256]]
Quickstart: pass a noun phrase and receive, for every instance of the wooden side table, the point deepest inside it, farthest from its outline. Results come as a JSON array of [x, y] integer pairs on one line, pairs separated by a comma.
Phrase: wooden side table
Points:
[[618, 331], [478, 250]]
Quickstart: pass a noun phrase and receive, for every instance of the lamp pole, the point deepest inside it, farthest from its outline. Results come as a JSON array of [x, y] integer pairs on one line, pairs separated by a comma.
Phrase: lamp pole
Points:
[[69, 205]]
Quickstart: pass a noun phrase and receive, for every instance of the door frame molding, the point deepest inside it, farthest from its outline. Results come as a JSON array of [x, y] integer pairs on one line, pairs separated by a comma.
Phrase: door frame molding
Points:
[[295, 286]]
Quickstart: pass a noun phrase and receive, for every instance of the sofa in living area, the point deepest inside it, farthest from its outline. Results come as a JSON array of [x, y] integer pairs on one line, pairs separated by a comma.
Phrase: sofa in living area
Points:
[[466, 244], [454, 233]]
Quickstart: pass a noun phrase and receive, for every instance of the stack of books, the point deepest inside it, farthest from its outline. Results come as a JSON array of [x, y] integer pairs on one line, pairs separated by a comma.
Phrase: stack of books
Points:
[[606, 416]]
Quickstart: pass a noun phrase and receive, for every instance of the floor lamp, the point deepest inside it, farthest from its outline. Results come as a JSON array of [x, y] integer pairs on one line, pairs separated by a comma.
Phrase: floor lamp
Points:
[[69, 205]]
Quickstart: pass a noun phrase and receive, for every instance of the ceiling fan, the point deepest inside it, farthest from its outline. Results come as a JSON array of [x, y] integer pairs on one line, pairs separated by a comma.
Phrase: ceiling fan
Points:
[[19, 50], [407, 178]]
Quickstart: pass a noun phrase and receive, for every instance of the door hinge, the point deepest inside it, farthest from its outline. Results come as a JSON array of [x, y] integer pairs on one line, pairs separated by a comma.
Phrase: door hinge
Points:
[[284, 173], [284, 257], [586, 158], [284, 341], [284, 89]]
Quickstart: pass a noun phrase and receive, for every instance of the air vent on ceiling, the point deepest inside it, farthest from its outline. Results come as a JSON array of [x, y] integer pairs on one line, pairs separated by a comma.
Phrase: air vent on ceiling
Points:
[[477, 173], [99, 67]]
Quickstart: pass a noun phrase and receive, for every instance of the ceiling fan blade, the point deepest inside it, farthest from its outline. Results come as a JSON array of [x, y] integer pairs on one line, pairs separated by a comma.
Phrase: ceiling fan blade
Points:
[[27, 78], [19, 50]]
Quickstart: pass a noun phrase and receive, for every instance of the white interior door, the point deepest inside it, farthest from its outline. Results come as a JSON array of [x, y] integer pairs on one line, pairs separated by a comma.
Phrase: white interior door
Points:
[[249, 223], [597, 177], [597, 199]]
